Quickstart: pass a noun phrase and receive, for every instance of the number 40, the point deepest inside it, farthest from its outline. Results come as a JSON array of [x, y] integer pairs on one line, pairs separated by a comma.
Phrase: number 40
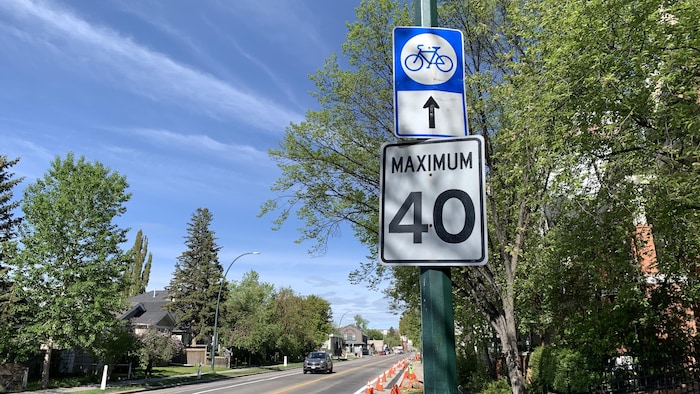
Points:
[[417, 228]]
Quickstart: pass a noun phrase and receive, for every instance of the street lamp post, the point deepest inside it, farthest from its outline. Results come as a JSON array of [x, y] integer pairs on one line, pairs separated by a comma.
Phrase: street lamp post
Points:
[[216, 314], [340, 323]]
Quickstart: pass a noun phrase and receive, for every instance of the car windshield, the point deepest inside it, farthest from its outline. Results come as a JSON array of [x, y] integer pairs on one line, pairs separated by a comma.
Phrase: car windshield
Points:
[[317, 355]]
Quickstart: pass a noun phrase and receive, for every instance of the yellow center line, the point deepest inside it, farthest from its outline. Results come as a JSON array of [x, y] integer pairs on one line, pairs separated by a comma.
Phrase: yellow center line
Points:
[[325, 377]]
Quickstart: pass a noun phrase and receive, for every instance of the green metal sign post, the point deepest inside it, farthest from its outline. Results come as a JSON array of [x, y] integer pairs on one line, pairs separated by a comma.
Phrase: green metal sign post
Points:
[[437, 316], [438, 353]]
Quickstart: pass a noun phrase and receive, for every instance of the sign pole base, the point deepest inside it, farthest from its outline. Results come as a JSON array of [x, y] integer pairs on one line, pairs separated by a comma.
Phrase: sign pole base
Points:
[[438, 343]]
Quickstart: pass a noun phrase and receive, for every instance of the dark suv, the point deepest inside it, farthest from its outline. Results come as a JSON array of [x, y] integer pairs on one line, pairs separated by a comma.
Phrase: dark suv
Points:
[[318, 362]]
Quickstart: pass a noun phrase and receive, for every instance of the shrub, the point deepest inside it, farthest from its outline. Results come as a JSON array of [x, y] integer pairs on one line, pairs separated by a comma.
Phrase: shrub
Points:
[[543, 365], [572, 375], [499, 386], [558, 369]]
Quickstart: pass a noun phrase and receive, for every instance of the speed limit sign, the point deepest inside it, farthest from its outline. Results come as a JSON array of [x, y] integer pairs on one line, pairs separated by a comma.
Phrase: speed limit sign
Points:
[[432, 210]]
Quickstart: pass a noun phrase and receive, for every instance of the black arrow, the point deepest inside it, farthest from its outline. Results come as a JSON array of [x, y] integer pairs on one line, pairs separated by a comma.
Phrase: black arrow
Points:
[[431, 104]]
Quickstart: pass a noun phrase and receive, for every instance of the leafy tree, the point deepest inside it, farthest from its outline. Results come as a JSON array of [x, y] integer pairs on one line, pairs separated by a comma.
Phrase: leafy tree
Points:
[[302, 322], [117, 345], [330, 165], [197, 278], [515, 108], [633, 77], [158, 348], [392, 337], [70, 268], [8, 234], [553, 108], [318, 314], [247, 317], [409, 326], [373, 333], [138, 274], [361, 323]]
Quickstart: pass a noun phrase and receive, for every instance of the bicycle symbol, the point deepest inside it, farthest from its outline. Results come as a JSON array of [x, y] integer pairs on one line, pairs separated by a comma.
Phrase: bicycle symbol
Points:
[[416, 61]]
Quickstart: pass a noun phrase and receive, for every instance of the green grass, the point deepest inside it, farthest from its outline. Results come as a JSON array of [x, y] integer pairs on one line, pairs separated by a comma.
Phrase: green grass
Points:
[[161, 377]]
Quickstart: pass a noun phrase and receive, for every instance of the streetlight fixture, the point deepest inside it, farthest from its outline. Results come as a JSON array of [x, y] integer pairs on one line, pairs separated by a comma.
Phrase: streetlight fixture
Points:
[[216, 314]]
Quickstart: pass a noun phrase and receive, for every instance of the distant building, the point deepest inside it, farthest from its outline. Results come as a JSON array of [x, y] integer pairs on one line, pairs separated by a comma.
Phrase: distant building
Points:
[[355, 340]]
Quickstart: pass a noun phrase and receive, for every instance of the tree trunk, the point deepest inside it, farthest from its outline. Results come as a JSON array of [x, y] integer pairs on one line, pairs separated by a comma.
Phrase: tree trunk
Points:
[[497, 306], [515, 373], [46, 365], [505, 328]]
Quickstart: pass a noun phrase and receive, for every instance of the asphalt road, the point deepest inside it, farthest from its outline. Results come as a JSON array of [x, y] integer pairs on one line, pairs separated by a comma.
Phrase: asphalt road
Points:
[[348, 377]]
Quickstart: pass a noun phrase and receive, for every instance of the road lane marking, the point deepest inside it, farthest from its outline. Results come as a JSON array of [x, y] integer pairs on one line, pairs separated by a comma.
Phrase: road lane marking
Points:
[[324, 378], [244, 383]]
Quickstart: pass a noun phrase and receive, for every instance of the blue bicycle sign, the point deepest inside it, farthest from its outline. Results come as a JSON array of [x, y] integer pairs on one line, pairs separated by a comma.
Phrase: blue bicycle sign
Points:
[[429, 99], [428, 59], [416, 61]]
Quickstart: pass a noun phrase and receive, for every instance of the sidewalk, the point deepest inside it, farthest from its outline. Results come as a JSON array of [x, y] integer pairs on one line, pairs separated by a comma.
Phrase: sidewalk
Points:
[[136, 382]]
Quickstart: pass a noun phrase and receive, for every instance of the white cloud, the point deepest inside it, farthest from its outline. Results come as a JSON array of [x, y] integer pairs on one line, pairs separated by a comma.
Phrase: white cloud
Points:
[[201, 143], [143, 71]]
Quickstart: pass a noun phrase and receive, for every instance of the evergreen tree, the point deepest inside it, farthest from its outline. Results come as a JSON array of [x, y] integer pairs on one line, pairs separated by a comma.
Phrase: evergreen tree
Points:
[[8, 232], [138, 275], [8, 221], [198, 275], [70, 268]]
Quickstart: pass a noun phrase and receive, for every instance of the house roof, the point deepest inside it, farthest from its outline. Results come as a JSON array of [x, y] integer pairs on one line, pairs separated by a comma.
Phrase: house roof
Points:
[[149, 309]]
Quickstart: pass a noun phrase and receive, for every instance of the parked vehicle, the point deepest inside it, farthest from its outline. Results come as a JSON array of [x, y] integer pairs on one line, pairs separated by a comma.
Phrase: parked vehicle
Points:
[[318, 362]]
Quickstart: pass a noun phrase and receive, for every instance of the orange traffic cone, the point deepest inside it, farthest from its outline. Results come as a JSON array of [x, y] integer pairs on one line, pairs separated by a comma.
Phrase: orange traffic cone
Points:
[[369, 389], [395, 389], [378, 386], [383, 377]]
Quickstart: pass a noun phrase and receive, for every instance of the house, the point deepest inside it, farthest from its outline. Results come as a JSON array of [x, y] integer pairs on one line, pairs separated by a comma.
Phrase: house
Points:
[[334, 345], [148, 311], [355, 340]]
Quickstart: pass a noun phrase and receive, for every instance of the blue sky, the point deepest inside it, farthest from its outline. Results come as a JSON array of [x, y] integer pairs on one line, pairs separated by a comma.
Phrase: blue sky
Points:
[[184, 98]]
